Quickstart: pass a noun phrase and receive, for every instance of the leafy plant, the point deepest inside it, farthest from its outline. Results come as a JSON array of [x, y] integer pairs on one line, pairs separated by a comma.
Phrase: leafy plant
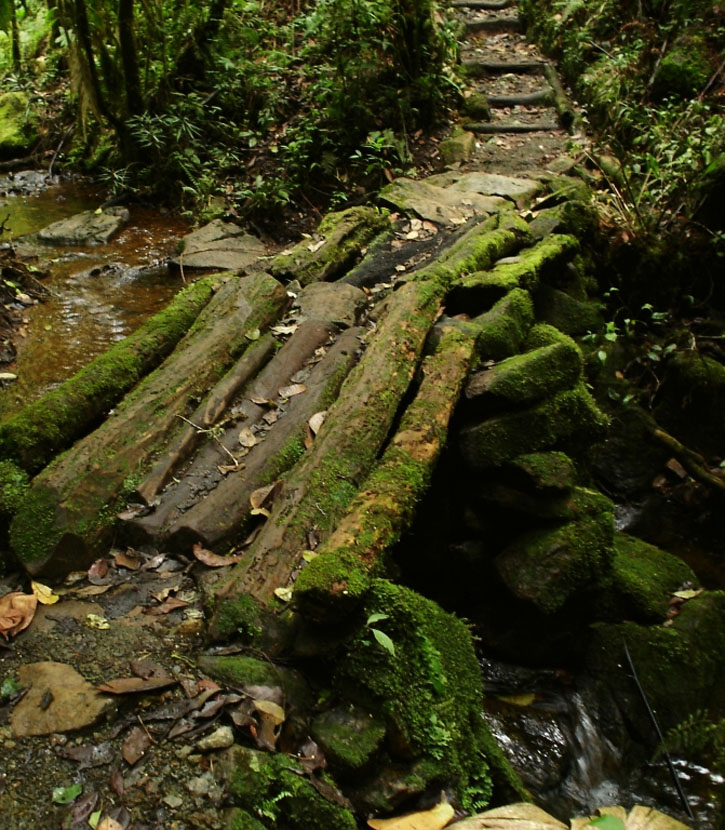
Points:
[[698, 734], [380, 636]]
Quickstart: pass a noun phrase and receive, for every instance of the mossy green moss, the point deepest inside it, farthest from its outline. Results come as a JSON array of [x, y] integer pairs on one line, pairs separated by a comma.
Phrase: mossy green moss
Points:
[[345, 235], [541, 473], [685, 67], [242, 820], [46, 426], [567, 313], [240, 616], [349, 736], [14, 483], [569, 419], [18, 125], [274, 788], [501, 331], [33, 534]]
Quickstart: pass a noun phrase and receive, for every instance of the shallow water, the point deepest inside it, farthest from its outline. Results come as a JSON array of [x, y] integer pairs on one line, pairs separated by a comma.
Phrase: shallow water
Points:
[[99, 294]]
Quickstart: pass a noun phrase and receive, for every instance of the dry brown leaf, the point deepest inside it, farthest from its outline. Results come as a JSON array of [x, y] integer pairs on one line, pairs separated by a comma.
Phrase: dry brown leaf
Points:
[[271, 717], [283, 330], [213, 560], [264, 497], [16, 612], [132, 685], [292, 390], [44, 594], [130, 559], [135, 745], [171, 604], [263, 401], [247, 438], [98, 570], [433, 819], [316, 421], [109, 823]]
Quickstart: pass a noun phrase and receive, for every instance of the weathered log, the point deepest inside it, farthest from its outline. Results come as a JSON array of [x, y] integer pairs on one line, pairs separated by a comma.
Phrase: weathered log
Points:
[[185, 518], [487, 5], [45, 427], [495, 25], [384, 508], [476, 68], [511, 127], [522, 99], [568, 116], [66, 518], [321, 486]]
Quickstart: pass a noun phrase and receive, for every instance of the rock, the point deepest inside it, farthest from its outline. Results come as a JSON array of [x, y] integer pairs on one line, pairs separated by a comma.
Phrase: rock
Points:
[[459, 147], [219, 246], [443, 205], [18, 130], [72, 702], [220, 738], [337, 302], [349, 736], [542, 473], [503, 328], [488, 184], [476, 107], [87, 228], [568, 314]]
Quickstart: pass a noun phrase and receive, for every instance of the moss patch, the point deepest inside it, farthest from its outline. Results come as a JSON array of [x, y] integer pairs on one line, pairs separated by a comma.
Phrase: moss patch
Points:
[[18, 127]]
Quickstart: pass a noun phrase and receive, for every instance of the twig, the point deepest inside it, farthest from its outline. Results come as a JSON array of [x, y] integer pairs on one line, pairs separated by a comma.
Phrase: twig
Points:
[[58, 149], [668, 758], [690, 460], [209, 431]]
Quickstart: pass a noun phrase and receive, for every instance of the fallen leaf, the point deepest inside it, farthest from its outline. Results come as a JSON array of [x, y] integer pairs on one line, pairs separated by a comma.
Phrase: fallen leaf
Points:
[[213, 560], [263, 402], [91, 590], [16, 612], [44, 594], [316, 421], [519, 700], [132, 685], [147, 668], [230, 468], [130, 559], [84, 807], [65, 795], [247, 438], [171, 604], [309, 555], [98, 571], [254, 334], [313, 247], [433, 819], [271, 717], [116, 782], [284, 594], [687, 594], [95, 621], [282, 330], [135, 745], [264, 497], [108, 823], [292, 390]]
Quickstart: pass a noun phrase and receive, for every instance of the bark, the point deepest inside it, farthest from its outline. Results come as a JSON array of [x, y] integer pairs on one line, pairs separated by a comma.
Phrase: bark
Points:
[[321, 486], [385, 507], [568, 116], [66, 413], [68, 514], [129, 57], [15, 35]]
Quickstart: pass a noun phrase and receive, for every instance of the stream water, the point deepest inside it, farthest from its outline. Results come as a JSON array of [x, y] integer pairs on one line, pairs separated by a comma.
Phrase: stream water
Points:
[[97, 295]]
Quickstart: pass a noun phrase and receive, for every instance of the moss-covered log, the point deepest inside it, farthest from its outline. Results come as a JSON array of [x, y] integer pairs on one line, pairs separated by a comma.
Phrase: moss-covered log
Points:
[[320, 488], [67, 515], [61, 416], [386, 504]]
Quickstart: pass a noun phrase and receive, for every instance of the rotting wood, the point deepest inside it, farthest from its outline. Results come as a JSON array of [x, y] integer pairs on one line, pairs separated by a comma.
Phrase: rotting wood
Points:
[[568, 116], [321, 486], [693, 462], [385, 506], [66, 517], [34, 435], [225, 502]]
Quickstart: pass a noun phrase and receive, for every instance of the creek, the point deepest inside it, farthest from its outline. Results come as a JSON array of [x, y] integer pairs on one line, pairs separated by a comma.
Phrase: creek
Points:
[[98, 295]]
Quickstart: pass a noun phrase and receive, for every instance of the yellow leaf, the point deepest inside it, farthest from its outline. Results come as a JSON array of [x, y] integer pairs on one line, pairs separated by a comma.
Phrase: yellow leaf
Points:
[[285, 594], [44, 594], [433, 819], [519, 700]]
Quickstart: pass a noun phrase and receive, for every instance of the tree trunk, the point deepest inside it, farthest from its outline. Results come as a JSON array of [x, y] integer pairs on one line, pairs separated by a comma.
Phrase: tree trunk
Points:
[[129, 58], [67, 516], [15, 35]]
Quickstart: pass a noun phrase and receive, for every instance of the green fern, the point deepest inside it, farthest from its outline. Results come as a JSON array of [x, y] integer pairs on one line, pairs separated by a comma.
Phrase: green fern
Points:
[[697, 734]]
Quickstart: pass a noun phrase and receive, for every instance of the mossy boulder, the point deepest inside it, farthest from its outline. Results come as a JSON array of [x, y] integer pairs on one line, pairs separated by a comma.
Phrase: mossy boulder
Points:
[[349, 736], [273, 788], [569, 314], [18, 125], [342, 236], [459, 147], [680, 667], [476, 106], [550, 565], [501, 331], [238, 819], [569, 420], [643, 578], [541, 473], [523, 379]]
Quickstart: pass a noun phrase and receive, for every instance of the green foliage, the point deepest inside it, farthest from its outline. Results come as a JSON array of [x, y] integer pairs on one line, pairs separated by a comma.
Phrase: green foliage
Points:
[[699, 734]]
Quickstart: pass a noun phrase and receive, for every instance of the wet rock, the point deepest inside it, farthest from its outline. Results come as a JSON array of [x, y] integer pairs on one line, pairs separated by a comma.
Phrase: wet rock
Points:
[[18, 129], [331, 301], [349, 736], [219, 246], [220, 738], [59, 700], [87, 228]]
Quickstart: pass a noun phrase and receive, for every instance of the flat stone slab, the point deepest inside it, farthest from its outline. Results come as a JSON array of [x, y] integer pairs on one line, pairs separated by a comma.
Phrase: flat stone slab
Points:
[[87, 228], [338, 302], [221, 246], [488, 184], [443, 205], [59, 700]]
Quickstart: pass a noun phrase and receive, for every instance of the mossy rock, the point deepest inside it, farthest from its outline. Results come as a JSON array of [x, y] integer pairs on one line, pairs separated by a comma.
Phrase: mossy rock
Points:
[[476, 106], [542, 473], [680, 667], [349, 736], [459, 147], [684, 69], [574, 217], [239, 819], [525, 378], [548, 566], [568, 314], [643, 579], [569, 420], [343, 235], [274, 787], [14, 483], [18, 125], [501, 331]]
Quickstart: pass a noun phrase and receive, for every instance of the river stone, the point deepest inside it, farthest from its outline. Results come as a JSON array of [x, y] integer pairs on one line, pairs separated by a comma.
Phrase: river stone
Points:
[[444, 206], [219, 246], [74, 703], [334, 301], [87, 228]]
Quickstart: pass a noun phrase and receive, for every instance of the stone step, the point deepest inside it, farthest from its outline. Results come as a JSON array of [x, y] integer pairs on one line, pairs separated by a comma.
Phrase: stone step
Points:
[[482, 68], [486, 5], [495, 25], [522, 99], [496, 128]]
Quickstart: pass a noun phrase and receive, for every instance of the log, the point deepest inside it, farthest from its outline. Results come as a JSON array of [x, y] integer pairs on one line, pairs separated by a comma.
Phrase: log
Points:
[[487, 5], [181, 515], [511, 127], [358, 548], [476, 68], [524, 99], [495, 25], [321, 486], [67, 516], [45, 427], [568, 116]]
